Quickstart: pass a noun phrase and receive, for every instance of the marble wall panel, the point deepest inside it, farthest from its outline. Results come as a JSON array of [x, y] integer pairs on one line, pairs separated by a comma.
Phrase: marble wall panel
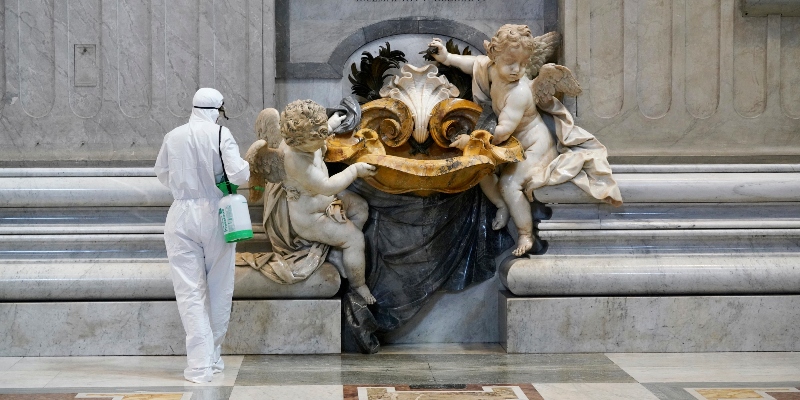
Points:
[[2, 53], [790, 73], [606, 33], [701, 67], [749, 65], [36, 62], [328, 92], [310, 21], [650, 324], [654, 61], [181, 46], [237, 54], [65, 106], [134, 58], [695, 80], [84, 19], [154, 328]]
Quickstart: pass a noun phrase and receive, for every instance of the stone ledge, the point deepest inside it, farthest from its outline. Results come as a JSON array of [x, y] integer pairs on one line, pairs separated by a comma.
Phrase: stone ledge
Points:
[[711, 187], [652, 274], [649, 324], [140, 280], [641, 216], [154, 328]]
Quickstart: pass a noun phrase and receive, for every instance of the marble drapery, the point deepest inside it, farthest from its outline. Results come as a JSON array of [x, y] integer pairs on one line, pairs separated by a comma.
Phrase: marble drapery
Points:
[[415, 247], [292, 258]]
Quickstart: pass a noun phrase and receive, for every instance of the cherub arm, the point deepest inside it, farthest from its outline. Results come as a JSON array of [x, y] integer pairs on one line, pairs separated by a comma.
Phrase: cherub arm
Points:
[[464, 63], [511, 115], [300, 167]]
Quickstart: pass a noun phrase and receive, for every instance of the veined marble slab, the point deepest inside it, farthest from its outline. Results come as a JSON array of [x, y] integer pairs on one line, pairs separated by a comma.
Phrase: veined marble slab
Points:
[[154, 328], [119, 280], [123, 190], [703, 168], [95, 172], [131, 191], [650, 274], [744, 187], [649, 324], [781, 215]]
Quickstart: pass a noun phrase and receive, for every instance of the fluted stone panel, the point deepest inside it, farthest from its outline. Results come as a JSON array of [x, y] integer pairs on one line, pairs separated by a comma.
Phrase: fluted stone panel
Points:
[[677, 79], [101, 82]]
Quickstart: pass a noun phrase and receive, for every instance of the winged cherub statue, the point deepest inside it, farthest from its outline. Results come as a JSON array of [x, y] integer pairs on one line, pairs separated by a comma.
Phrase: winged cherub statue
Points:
[[320, 211], [513, 76]]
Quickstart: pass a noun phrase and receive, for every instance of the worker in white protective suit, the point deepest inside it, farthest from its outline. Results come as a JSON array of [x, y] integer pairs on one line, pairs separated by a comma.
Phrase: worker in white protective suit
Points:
[[202, 263]]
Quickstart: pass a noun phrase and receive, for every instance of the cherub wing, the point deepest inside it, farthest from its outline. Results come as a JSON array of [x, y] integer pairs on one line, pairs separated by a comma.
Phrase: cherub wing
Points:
[[268, 127], [266, 160], [545, 47], [554, 79], [266, 165]]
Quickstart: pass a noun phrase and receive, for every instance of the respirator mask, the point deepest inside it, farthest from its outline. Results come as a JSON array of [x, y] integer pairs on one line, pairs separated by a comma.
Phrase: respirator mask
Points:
[[221, 109]]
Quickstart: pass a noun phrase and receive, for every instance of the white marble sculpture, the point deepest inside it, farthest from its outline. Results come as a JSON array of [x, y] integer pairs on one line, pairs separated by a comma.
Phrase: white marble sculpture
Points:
[[421, 89], [506, 78], [320, 211]]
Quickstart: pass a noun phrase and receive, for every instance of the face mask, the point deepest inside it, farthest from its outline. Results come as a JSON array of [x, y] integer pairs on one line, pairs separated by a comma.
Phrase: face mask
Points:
[[220, 108]]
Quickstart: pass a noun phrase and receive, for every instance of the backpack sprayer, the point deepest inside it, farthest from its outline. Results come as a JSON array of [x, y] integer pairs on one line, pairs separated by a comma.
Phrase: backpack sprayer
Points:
[[233, 211]]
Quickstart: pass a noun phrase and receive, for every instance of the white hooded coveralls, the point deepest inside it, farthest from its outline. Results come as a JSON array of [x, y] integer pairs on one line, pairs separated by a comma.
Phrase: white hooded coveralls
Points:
[[202, 263]]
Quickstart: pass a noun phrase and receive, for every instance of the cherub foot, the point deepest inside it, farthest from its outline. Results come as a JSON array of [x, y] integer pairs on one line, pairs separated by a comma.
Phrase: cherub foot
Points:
[[363, 290], [500, 219], [524, 243]]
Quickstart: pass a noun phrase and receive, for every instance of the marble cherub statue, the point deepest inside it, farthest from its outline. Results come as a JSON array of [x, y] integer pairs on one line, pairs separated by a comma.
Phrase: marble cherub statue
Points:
[[289, 154], [513, 76]]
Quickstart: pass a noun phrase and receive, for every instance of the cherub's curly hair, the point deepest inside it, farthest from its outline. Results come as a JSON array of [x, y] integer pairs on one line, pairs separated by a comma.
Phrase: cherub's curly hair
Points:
[[510, 35], [303, 120]]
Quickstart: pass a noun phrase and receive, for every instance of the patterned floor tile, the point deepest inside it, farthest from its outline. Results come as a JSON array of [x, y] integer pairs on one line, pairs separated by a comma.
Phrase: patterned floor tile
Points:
[[726, 390], [442, 392], [594, 391], [283, 392], [39, 396]]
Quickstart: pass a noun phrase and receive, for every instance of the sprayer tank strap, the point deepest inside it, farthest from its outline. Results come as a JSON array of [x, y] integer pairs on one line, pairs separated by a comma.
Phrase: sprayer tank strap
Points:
[[224, 174]]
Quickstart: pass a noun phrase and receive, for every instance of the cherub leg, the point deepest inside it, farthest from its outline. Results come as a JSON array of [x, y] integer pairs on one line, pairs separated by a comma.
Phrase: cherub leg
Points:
[[350, 239], [355, 265], [489, 187], [356, 208], [518, 207]]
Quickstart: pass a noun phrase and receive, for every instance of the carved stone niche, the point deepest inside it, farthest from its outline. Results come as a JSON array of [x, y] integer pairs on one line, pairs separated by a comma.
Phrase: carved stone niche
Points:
[[407, 135]]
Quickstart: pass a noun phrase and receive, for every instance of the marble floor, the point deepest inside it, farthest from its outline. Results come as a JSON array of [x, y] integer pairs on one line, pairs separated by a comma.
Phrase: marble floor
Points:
[[413, 372]]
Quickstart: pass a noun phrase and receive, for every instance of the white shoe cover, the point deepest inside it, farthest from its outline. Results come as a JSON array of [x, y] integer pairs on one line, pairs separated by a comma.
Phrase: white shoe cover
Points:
[[218, 366], [197, 375]]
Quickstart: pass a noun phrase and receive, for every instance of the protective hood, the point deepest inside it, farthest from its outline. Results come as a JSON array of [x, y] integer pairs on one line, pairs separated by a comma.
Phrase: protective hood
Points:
[[207, 97]]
